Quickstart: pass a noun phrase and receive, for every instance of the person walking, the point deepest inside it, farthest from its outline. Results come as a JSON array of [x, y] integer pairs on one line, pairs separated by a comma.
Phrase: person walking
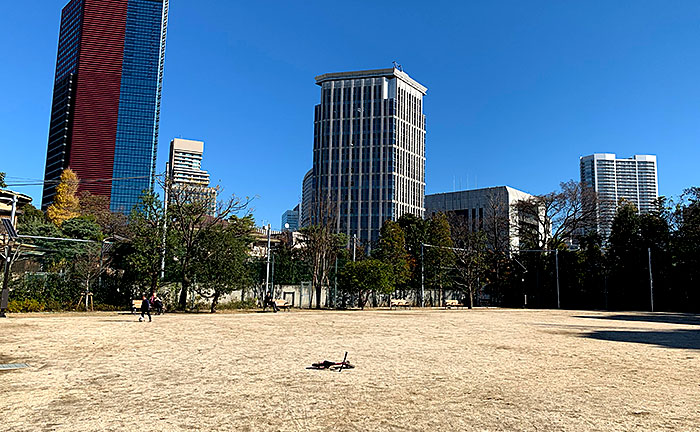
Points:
[[145, 308]]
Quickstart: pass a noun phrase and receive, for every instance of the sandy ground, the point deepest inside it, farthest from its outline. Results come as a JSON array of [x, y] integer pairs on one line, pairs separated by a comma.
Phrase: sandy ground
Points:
[[457, 370]]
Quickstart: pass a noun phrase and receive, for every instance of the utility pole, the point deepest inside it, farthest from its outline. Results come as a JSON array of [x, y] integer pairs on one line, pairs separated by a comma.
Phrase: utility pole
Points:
[[556, 261], [165, 219], [651, 282], [422, 275], [267, 271], [5, 296]]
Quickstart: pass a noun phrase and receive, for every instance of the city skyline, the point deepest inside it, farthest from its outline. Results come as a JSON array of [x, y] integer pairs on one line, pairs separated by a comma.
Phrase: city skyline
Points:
[[496, 125]]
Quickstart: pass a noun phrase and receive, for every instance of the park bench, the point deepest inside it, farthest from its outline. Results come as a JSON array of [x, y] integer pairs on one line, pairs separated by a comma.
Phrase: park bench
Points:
[[397, 303], [136, 307], [283, 304], [449, 304]]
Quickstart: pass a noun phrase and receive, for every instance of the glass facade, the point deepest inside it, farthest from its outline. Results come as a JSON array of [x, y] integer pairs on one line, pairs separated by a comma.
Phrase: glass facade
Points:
[[106, 100], [63, 93], [369, 150], [139, 103]]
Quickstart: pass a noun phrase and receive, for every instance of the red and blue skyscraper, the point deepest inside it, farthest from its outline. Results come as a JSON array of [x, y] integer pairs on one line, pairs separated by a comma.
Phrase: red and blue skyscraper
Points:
[[106, 100]]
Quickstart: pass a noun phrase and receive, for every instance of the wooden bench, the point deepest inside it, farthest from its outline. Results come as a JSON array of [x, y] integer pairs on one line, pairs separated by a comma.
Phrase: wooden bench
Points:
[[281, 304], [449, 304], [397, 303]]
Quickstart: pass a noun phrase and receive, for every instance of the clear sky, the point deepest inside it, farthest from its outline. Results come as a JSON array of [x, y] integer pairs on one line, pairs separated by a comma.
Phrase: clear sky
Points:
[[517, 90]]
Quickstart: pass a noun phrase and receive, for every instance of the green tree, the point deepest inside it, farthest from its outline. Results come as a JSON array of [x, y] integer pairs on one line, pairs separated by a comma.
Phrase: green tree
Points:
[[415, 231], [2, 180], [189, 221], [391, 249], [65, 203], [625, 260], [222, 259], [439, 258], [141, 251], [685, 247], [362, 278]]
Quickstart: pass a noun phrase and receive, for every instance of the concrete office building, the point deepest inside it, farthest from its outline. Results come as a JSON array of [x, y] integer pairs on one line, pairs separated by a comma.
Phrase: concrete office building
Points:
[[186, 174], [634, 179], [106, 98], [479, 207], [291, 217], [369, 149]]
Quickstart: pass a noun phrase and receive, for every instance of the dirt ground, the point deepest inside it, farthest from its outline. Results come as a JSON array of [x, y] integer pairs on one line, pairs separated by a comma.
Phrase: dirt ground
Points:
[[433, 370]]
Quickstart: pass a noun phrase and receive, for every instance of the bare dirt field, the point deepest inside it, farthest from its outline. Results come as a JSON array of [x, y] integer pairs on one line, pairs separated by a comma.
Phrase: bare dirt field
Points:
[[433, 370]]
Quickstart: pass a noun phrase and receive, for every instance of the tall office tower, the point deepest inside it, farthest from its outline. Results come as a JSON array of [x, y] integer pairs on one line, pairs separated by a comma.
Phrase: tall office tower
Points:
[[186, 174], [307, 191], [634, 179], [291, 218], [369, 149], [106, 98]]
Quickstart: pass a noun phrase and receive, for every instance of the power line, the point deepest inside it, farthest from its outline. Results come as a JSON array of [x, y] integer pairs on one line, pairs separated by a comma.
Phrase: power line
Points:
[[93, 180]]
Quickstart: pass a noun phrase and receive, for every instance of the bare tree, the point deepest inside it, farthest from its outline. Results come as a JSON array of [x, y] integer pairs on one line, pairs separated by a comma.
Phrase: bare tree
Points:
[[191, 218], [320, 244], [548, 221], [471, 254]]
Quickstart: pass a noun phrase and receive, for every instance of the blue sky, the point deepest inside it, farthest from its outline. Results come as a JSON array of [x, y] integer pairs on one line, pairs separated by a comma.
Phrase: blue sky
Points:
[[517, 90]]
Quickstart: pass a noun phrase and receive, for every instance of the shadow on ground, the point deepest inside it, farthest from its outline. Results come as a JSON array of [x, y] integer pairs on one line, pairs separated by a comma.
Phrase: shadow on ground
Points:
[[681, 339], [668, 318]]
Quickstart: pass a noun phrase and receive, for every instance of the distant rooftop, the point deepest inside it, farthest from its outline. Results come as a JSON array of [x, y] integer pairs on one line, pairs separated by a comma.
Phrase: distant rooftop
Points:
[[372, 73]]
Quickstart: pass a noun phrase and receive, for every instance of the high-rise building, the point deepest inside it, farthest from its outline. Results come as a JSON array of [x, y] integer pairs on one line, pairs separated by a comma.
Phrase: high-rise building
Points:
[[634, 179], [185, 172], [307, 191], [291, 218], [106, 98], [369, 149]]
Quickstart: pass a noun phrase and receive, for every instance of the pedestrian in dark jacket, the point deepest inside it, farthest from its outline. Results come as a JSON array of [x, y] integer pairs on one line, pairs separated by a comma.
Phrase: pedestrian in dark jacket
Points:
[[145, 308]]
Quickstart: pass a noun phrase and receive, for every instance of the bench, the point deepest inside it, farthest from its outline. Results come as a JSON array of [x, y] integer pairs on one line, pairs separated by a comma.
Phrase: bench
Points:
[[136, 307], [397, 303], [281, 304], [453, 304]]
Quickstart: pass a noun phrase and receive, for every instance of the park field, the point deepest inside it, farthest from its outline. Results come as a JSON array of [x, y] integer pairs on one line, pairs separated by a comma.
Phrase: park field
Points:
[[416, 370]]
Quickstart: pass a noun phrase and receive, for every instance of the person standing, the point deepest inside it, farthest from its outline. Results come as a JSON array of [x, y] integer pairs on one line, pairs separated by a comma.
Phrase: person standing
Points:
[[145, 308]]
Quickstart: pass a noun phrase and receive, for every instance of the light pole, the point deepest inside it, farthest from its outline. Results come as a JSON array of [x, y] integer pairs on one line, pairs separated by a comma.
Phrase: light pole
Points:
[[556, 261], [651, 282], [267, 270], [422, 275]]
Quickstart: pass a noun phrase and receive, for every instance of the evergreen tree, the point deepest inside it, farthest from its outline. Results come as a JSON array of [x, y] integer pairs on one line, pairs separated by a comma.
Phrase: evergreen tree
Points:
[[439, 259], [392, 250], [627, 287]]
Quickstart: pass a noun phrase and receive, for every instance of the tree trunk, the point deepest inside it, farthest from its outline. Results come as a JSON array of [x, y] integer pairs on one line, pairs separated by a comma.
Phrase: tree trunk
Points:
[[214, 301], [183, 292], [471, 298]]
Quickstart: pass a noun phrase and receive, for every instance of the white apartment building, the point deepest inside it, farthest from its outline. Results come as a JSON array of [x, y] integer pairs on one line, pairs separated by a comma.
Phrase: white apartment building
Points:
[[185, 170], [634, 179]]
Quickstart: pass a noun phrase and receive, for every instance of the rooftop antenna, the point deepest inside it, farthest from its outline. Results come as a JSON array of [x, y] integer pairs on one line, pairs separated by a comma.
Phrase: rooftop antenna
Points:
[[397, 65]]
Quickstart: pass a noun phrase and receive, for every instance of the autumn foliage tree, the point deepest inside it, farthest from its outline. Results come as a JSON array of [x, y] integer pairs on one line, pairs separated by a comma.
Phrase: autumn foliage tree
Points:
[[65, 203]]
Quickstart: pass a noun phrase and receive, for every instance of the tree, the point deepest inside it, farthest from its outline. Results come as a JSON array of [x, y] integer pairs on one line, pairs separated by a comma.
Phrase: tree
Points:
[[439, 258], [96, 207], [222, 259], [190, 220], [365, 277], [2, 180], [548, 221], [65, 204], [392, 250], [470, 252], [142, 247], [415, 231], [320, 246], [685, 246], [86, 260], [625, 260]]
